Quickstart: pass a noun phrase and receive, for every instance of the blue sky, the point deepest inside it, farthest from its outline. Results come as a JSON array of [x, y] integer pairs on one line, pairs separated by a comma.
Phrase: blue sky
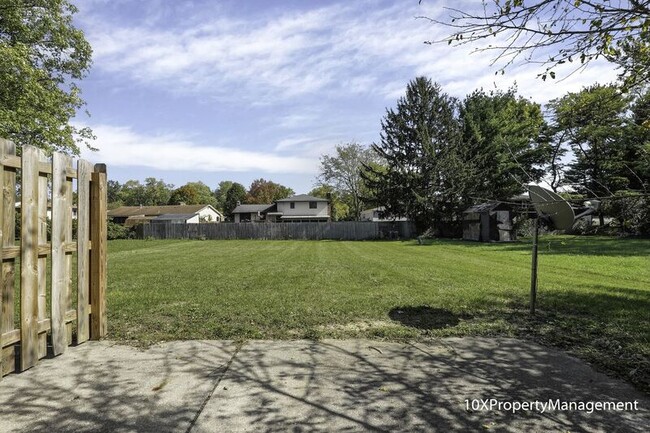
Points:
[[238, 90]]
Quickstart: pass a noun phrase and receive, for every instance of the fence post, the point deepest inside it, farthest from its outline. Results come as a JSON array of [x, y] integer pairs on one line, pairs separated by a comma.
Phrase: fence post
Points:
[[7, 286], [98, 215], [29, 259], [42, 258], [4, 146], [84, 173], [61, 207]]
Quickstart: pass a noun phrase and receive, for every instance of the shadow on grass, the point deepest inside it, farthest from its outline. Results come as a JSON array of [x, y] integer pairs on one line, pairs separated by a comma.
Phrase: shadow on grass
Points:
[[572, 245], [424, 317], [607, 326]]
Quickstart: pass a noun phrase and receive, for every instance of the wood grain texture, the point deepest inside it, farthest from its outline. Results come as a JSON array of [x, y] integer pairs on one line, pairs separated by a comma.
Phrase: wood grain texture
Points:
[[29, 259], [60, 286], [98, 214], [7, 282], [42, 260], [84, 171]]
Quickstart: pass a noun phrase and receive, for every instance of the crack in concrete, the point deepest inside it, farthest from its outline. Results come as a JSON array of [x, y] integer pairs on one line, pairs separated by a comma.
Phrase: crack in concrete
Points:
[[214, 388]]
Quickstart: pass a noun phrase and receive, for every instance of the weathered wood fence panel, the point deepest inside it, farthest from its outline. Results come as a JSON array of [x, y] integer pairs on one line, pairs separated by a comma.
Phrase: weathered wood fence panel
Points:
[[8, 225], [26, 341], [344, 230]]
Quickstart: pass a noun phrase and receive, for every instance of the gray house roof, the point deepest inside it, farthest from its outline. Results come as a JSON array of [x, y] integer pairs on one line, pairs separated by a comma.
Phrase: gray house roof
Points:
[[251, 208], [302, 197], [175, 216], [127, 211]]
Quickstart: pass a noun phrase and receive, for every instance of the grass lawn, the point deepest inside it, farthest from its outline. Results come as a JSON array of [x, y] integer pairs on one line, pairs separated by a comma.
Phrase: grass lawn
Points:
[[593, 300]]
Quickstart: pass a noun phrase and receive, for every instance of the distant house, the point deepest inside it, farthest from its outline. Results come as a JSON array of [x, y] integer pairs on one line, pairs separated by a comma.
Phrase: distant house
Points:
[[298, 208], [130, 216], [301, 208], [378, 214], [245, 213], [489, 222]]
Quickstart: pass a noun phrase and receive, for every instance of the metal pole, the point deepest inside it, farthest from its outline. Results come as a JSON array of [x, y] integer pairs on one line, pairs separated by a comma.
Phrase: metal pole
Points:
[[533, 270]]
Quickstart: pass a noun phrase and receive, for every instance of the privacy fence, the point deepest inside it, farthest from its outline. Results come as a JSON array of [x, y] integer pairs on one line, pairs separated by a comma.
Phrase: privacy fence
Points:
[[344, 230], [42, 293]]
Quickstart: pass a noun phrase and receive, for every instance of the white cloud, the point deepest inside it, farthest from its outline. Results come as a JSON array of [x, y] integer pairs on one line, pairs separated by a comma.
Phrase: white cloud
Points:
[[339, 48], [122, 147]]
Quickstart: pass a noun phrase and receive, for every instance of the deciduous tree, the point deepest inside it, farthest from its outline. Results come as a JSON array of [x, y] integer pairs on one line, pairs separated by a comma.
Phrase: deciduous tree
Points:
[[43, 57], [236, 194], [154, 192], [193, 193], [503, 144], [557, 32], [339, 210], [220, 193], [594, 122], [342, 171], [264, 191]]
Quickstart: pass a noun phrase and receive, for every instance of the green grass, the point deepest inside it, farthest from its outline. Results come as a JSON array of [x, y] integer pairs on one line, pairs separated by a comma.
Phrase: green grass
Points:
[[594, 293]]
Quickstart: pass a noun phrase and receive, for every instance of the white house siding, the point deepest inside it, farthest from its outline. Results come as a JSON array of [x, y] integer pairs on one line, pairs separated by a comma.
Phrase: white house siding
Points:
[[207, 214], [302, 209]]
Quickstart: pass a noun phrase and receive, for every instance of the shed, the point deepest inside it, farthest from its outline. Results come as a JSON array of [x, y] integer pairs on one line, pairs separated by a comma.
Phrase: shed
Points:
[[489, 222]]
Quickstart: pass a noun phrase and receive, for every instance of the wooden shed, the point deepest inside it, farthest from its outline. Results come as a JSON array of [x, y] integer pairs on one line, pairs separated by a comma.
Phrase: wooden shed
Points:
[[489, 222]]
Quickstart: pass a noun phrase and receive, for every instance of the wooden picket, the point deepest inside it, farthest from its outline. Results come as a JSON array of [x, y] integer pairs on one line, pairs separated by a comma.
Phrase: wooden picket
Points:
[[26, 341]]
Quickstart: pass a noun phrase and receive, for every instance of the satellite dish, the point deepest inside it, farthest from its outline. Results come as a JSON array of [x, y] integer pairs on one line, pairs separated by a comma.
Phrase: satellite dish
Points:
[[551, 206]]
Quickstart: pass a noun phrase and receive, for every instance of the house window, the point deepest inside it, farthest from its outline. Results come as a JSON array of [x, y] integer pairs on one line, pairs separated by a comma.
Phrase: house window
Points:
[[292, 205], [313, 204]]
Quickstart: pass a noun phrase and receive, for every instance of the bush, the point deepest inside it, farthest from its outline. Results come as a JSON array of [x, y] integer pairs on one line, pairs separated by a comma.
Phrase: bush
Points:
[[631, 213], [117, 231]]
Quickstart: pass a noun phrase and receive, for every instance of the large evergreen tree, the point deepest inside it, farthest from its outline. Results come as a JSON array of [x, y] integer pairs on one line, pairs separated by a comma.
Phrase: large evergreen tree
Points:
[[417, 149]]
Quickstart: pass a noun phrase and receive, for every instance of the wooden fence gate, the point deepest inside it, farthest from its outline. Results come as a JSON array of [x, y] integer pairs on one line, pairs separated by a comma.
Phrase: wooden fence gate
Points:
[[40, 292]]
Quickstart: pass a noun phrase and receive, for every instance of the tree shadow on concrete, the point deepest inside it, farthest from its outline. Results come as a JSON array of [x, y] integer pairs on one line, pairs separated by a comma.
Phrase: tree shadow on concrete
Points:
[[305, 386], [99, 388], [372, 386]]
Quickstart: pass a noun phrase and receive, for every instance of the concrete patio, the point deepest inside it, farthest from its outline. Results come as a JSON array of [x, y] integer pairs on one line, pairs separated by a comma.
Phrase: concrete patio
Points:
[[305, 386]]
